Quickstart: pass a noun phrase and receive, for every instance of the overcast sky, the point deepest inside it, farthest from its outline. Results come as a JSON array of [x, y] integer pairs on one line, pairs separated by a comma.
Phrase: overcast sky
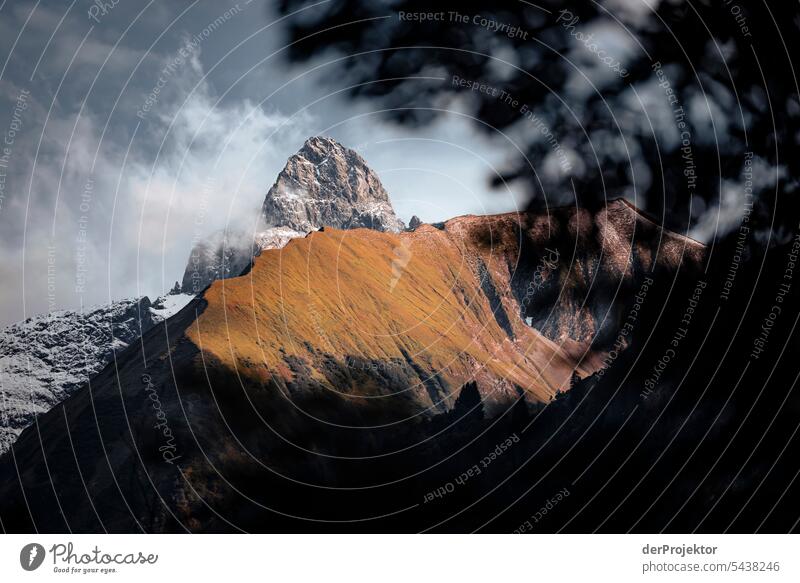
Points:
[[134, 129]]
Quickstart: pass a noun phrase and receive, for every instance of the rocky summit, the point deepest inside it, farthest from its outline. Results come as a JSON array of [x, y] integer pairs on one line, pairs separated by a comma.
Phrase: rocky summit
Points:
[[328, 185]]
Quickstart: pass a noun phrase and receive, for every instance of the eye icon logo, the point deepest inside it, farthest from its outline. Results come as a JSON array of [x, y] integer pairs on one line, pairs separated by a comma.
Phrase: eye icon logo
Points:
[[31, 556]]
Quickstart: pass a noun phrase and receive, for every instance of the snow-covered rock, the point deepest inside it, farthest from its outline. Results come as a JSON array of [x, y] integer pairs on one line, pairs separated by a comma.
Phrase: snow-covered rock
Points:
[[167, 306], [44, 359]]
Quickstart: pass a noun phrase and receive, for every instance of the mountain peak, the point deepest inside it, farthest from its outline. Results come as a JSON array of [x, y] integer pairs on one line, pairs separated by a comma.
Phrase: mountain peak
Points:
[[321, 143], [328, 184]]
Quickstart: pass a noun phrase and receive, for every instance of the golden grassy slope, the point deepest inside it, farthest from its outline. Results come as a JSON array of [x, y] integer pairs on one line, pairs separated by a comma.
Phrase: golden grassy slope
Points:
[[381, 297]]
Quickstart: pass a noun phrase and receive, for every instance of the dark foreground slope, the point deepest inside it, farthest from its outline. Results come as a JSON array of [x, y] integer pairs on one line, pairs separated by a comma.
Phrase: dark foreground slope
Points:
[[330, 389]]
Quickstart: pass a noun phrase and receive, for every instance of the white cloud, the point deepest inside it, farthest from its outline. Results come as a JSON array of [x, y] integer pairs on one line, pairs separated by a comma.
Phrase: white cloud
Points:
[[142, 211]]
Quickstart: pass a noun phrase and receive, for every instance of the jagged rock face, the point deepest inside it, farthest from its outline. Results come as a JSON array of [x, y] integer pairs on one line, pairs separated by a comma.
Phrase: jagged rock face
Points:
[[414, 223], [328, 185], [229, 253], [45, 359]]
